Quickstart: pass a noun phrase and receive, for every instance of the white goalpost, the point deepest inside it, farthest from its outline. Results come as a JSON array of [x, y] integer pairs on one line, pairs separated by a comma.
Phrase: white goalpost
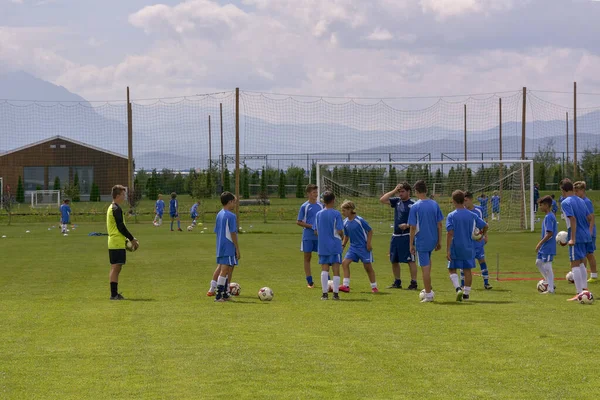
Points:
[[364, 183], [45, 198]]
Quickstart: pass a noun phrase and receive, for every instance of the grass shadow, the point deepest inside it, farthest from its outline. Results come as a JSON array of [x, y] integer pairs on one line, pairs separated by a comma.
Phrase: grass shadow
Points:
[[140, 299], [490, 302], [358, 300]]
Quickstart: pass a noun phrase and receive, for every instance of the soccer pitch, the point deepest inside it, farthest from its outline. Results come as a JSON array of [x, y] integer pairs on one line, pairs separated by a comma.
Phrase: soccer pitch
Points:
[[62, 338]]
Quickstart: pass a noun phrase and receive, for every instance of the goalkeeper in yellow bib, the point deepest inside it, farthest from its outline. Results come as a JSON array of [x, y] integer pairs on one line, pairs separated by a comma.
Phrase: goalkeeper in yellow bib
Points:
[[117, 235]]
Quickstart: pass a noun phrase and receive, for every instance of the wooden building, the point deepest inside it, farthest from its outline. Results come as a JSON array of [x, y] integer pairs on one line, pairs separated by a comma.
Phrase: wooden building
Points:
[[39, 164]]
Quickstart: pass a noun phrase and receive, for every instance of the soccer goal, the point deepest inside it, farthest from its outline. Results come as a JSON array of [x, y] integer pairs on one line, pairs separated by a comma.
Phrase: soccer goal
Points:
[[45, 198], [365, 182]]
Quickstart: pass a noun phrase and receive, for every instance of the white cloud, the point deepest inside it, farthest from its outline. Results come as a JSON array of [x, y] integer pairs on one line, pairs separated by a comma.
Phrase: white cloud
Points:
[[450, 8], [380, 34]]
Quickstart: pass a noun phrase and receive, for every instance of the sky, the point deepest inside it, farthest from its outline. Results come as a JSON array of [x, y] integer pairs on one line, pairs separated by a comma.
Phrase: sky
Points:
[[347, 48]]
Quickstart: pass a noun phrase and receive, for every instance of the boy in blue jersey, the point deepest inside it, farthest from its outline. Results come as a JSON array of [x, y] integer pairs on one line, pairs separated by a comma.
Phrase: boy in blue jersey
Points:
[[536, 196], [329, 230], [460, 245], [159, 210], [576, 217], [483, 203], [360, 234], [65, 215], [579, 189], [174, 211], [495, 206], [399, 200], [194, 212], [425, 221], [479, 245], [554, 207], [228, 251], [546, 248], [306, 219]]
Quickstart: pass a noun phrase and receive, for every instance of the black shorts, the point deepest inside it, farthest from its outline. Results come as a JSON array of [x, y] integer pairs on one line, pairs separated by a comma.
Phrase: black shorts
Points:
[[117, 256]]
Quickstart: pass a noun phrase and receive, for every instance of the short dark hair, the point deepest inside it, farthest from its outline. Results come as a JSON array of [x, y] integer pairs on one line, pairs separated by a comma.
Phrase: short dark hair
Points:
[[173, 195], [552, 195], [421, 186], [328, 197], [566, 185], [468, 195], [406, 186], [310, 187], [66, 201], [117, 190], [458, 196], [226, 197], [547, 200]]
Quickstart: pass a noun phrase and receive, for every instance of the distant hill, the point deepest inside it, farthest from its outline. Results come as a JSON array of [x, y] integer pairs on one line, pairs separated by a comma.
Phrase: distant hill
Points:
[[21, 85]]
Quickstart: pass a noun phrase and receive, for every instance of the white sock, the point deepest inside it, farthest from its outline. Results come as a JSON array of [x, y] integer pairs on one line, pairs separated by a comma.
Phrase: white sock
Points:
[[429, 295], [540, 266], [583, 276], [373, 285], [213, 285], [549, 276], [222, 280], [454, 279], [336, 284], [347, 282], [577, 278], [324, 279], [160, 221], [467, 290], [594, 275]]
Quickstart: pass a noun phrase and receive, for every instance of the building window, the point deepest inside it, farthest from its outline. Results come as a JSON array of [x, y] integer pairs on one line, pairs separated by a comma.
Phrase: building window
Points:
[[86, 178], [52, 146], [33, 178], [63, 146], [63, 175]]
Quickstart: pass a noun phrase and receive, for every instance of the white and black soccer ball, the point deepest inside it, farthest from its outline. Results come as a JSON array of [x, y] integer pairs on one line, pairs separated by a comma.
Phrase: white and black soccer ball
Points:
[[561, 238], [476, 235], [129, 246], [190, 228], [585, 297], [234, 289], [542, 286], [569, 277], [265, 294], [330, 286]]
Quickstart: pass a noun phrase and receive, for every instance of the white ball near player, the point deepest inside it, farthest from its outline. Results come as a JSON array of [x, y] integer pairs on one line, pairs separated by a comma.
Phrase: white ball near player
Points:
[[128, 245], [235, 289], [330, 285], [476, 235], [585, 297], [569, 277], [265, 294], [190, 228], [542, 286], [561, 238]]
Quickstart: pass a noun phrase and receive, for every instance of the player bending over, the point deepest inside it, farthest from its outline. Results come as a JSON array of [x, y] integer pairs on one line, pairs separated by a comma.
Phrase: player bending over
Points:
[[479, 245], [159, 209], [546, 248], [228, 251], [194, 212], [329, 230], [460, 245], [579, 189], [65, 215], [360, 234], [306, 219]]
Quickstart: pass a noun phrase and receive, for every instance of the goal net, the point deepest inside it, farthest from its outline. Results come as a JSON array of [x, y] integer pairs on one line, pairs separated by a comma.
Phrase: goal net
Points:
[[45, 198], [365, 182]]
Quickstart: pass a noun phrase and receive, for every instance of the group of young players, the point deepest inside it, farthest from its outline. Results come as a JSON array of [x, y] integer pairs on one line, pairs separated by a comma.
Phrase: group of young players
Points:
[[159, 209]]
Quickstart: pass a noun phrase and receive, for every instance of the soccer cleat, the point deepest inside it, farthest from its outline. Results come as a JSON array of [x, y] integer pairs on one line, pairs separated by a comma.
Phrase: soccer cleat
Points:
[[546, 292], [171, 230], [394, 286], [466, 297], [180, 230], [325, 297], [310, 285], [336, 296], [210, 293], [592, 280], [459, 294], [117, 297], [413, 286], [427, 300], [574, 298], [220, 300], [374, 290], [487, 287], [345, 289]]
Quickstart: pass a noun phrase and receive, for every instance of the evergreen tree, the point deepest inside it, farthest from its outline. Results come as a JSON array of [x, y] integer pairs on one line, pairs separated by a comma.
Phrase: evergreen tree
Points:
[[282, 181], [226, 181], [313, 174], [542, 178], [153, 186], [595, 179], [20, 198], [76, 198], [372, 183], [299, 186], [392, 179], [95, 192], [57, 183], [245, 182], [263, 183]]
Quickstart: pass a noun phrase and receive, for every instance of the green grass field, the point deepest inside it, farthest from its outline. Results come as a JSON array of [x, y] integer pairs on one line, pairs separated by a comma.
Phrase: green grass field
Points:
[[61, 337]]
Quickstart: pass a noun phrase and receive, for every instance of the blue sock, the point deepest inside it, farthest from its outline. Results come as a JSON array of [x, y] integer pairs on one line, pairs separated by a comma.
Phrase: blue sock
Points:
[[178, 224], [309, 280], [484, 273], [462, 278], [171, 225]]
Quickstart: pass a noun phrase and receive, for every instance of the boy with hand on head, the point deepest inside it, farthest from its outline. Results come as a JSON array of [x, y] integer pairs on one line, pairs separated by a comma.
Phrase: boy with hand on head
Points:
[[360, 234], [228, 251], [425, 221], [329, 230], [306, 219], [460, 226], [546, 248], [579, 189]]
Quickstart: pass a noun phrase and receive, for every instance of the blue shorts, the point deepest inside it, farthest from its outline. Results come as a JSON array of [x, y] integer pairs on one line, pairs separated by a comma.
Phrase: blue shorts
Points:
[[174, 215], [194, 215], [400, 249], [545, 257], [578, 252], [479, 252], [484, 213], [231, 261], [330, 259], [461, 264], [309, 246], [67, 222], [424, 258], [357, 255], [591, 246], [160, 214], [496, 210]]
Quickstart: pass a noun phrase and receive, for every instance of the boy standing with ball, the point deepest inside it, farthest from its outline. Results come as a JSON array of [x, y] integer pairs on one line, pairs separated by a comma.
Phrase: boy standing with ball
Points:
[[546, 248], [329, 231], [228, 251]]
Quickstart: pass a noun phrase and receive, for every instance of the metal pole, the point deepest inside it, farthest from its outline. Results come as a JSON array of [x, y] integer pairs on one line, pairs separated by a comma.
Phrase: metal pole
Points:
[[523, 124], [465, 135], [209, 146], [237, 152], [575, 130], [222, 158], [129, 143], [567, 123], [501, 174]]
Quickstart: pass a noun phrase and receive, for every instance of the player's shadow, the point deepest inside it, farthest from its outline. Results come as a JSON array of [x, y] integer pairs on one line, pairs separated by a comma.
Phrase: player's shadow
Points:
[[129, 299], [496, 290], [490, 301], [376, 294], [359, 300]]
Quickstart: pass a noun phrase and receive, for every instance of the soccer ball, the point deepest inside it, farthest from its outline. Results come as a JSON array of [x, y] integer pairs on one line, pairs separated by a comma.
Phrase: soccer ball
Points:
[[561, 238], [330, 285], [234, 289], [265, 294], [128, 245], [155, 223], [585, 297], [569, 277], [190, 228], [476, 235], [542, 286], [422, 294]]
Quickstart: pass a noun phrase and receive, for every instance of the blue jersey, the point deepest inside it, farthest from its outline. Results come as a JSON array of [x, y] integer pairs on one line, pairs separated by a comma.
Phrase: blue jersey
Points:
[[173, 206], [573, 206], [194, 209], [536, 194], [425, 216], [590, 207], [554, 206], [327, 224], [226, 224], [160, 206], [308, 212], [483, 202], [357, 230], [401, 211], [463, 222], [549, 225], [496, 202], [65, 213]]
